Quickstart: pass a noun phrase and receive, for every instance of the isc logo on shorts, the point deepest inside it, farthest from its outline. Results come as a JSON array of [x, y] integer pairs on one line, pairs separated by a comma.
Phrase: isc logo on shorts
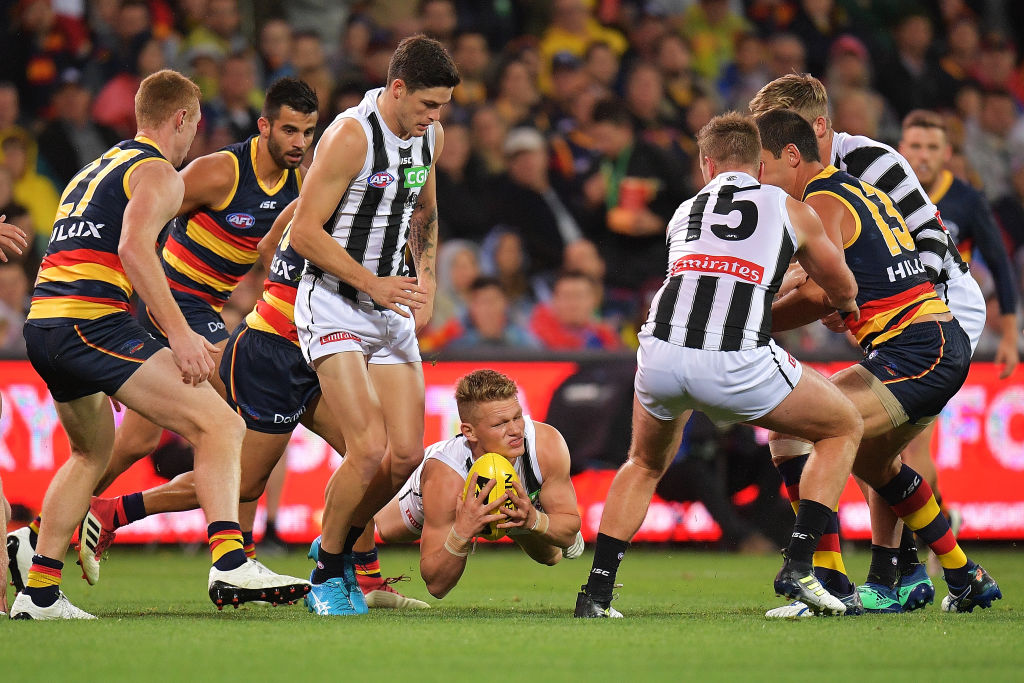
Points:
[[381, 179], [241, 220], [338, 336]]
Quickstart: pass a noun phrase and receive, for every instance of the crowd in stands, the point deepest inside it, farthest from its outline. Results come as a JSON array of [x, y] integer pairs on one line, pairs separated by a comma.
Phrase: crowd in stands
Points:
[[569, 142]]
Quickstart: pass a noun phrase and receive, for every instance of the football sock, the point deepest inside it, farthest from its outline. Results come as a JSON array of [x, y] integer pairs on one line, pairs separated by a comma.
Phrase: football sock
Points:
[[354, 532], [908, 551], [248, 545], [130, 509], [43, 584], [911, 498], [829, 568], [791, 470], [226, 545], [811, 519], [883, 566], [33, 531], [271, 530], [367, 564], [328, 566], [608, 553]]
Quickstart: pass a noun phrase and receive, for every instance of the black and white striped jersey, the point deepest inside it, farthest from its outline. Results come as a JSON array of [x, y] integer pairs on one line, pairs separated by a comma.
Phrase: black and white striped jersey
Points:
[[883, 167], [729, 247], [372, 219]]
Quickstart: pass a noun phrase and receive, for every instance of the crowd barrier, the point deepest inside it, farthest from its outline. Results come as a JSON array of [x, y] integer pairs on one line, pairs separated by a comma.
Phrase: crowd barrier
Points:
[[978, 447]]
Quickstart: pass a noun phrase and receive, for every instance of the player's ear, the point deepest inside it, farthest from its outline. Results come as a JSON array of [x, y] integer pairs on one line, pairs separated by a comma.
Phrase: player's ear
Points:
[[793, 155], [467, 431], [397, 88], [760, 170], [820, 126], [264, 125]]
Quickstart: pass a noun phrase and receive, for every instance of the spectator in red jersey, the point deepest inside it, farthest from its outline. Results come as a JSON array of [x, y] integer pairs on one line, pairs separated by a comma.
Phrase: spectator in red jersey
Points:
[[569, 321]]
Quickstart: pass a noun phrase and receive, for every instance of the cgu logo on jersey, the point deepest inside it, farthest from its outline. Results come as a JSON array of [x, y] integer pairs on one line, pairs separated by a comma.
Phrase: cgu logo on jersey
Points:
[[718, 265], [416, 176], [65, 231], [380, 179], [242, 221]]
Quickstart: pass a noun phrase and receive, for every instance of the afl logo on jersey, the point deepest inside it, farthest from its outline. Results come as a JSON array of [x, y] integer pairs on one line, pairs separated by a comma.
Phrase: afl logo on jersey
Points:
[[241, 220], [381, 179]]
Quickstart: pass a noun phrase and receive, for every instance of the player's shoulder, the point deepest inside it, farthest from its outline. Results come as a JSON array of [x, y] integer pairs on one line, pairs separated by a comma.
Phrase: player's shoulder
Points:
[[964, 192], [551, 447]]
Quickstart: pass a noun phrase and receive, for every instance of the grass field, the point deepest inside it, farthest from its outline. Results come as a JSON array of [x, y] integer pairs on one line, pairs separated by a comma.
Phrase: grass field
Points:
[[689, 615]]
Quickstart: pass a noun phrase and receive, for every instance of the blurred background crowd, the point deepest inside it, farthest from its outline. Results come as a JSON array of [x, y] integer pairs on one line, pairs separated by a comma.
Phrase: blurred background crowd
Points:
[[569, 142]]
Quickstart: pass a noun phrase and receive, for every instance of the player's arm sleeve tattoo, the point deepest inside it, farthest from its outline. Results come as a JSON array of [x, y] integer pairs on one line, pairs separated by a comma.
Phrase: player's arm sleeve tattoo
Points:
[[423, 238]]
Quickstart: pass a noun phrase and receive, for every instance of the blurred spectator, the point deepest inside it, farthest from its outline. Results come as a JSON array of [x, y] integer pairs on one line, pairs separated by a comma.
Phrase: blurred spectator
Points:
[[487, 322], [786, 55], [962, 56], [745, 75], [120, 52], [233, 108], [503, 258], [472, 57], [463, 189], [817, 24], [856, 112], [488, 130], [355, 44], [10, 115], [72, 139], [712, 28], [997, 60], [38, 46], [527, 201], [14, 289], [988, 143], [275, 48], [572, 30], [220, 29], [631, 199], [310, 63], [31, 190], [569, 321], [569, 81], [114, 106], [911, 78], [647, 29], [601, 65], [458, 265], [516, 99], [438, 20]]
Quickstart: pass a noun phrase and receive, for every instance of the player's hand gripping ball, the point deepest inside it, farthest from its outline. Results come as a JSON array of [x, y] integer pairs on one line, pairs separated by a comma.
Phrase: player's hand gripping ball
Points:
[[491, 466]]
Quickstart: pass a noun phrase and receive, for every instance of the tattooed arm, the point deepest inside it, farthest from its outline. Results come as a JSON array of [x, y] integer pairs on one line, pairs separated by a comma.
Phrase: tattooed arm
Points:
[[423, 236]]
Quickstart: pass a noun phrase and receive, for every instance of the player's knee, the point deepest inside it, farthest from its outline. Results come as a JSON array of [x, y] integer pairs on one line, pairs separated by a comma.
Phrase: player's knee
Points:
[[785, 448], [405, 462], [250, 490], [652, 463]]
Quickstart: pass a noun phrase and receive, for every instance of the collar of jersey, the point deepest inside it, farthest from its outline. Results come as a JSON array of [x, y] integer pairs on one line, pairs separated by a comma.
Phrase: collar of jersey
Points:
[[255, 171], [148, 141]]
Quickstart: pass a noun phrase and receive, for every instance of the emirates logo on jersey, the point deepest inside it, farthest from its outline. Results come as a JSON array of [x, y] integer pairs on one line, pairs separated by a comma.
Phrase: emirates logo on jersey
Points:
[[718, 265], [381, 179]]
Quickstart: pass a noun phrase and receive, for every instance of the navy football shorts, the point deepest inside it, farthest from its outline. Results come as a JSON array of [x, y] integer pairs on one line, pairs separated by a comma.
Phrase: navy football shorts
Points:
[[199, 315], [924, 366], [90, 357], [268, 381]]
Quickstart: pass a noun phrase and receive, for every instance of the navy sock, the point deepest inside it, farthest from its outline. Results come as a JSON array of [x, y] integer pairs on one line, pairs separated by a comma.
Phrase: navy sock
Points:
[[354, 532], [884, 564], [908, 551], [134, 508], [42, 585], [328, 566], [367, 564]]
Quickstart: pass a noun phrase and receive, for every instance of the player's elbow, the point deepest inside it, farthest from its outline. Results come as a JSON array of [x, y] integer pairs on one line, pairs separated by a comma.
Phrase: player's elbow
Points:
[[302, 238]]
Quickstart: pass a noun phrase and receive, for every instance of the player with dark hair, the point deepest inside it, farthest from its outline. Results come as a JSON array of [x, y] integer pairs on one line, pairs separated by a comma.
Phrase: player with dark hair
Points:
[[85, 345], [916, 358], [231, 200], [706, 345], [546, 521], [885, 169], [370, 193]]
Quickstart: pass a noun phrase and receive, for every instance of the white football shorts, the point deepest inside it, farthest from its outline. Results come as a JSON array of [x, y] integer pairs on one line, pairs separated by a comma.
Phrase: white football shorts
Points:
[[966, 301], [728, 386], [330, 323]]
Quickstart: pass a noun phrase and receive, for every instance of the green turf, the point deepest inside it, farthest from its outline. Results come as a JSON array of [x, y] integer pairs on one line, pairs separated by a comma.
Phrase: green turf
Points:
[[689, 615]]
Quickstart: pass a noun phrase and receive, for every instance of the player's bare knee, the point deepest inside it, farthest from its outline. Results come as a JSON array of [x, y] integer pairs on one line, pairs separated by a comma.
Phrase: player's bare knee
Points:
[[404, 463], [649, 463], [250, 490]]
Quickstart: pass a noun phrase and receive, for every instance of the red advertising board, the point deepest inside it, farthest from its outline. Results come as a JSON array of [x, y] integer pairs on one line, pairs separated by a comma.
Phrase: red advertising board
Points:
[[979, 449]]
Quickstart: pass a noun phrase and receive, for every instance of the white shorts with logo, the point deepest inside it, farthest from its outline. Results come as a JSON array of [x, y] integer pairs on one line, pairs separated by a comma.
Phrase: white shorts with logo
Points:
[[410, 502], [966, 301], [728, 386], [330, 323]]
